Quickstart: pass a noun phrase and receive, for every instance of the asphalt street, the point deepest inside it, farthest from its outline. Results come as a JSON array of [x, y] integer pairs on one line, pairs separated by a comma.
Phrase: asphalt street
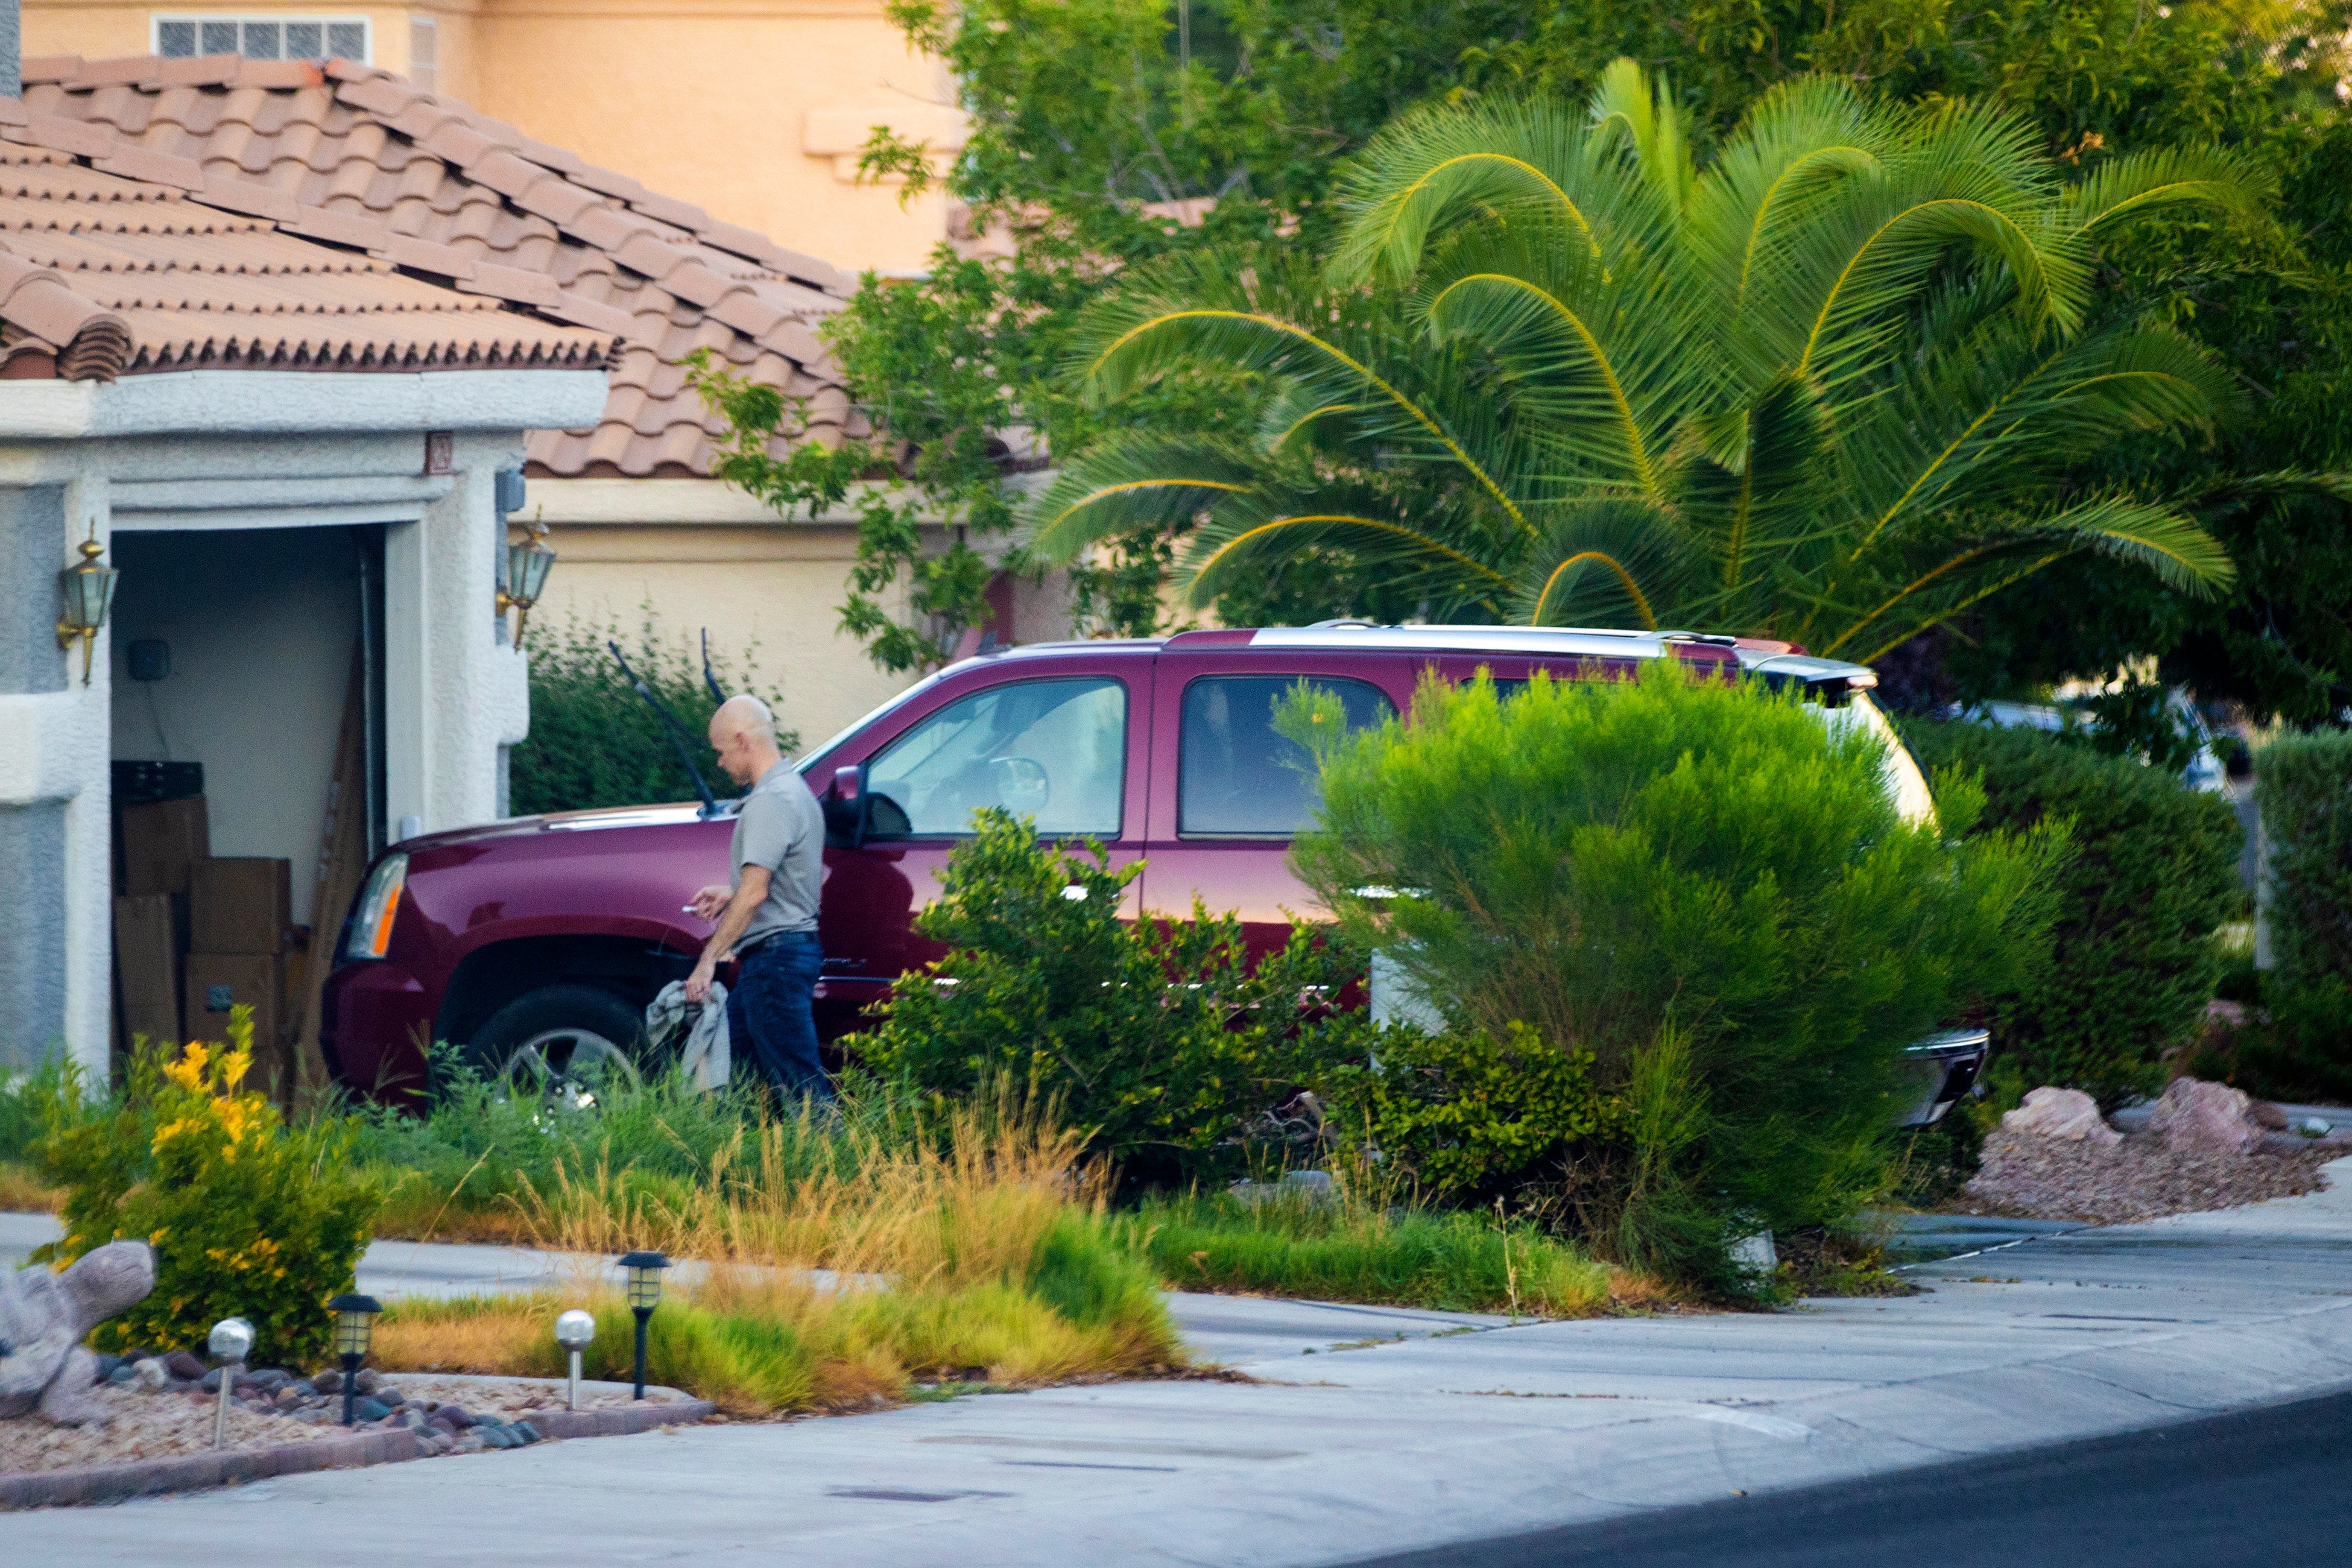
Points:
[[2264, 1486]]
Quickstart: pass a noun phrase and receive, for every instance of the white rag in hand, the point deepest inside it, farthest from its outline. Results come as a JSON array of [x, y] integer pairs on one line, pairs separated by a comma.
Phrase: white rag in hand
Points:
[[705, 1055]]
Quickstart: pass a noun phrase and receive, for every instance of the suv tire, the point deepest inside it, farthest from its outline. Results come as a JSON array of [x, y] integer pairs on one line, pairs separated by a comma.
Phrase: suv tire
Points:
[[558, 1043]]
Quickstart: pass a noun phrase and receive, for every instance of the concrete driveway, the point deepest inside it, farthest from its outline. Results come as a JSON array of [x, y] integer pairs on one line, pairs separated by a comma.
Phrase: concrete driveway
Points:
[[1332, 1455]]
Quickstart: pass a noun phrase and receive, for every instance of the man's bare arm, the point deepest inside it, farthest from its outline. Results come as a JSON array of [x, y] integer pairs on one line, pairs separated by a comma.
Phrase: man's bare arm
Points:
[[740, 909]]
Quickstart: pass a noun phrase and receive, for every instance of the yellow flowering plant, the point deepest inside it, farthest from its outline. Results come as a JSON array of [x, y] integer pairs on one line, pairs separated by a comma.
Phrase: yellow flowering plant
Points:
[[248, 1217]]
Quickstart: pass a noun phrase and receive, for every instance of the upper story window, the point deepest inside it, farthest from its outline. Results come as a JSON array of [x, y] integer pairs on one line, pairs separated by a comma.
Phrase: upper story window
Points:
[[263, 37], [425, 54]]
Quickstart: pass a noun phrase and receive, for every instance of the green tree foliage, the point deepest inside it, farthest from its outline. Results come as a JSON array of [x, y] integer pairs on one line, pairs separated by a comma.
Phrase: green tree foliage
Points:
[[247, 1217], [1828, 388], [1091, 124], [2303, 784], [1704, 887], [1472, 1116], [593, 742], [2154, 875], [1157, 1037]]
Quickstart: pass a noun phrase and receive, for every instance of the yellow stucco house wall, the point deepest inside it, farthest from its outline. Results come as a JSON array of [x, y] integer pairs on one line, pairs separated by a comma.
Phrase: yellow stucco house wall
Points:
[[753, 109]]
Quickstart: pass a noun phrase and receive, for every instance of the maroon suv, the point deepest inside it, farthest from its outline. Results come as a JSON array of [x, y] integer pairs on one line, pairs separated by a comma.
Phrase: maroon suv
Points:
[[535, 943]]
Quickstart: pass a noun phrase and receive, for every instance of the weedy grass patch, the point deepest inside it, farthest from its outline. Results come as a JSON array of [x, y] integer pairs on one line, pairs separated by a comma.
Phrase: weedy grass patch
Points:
[[1369, 1252]]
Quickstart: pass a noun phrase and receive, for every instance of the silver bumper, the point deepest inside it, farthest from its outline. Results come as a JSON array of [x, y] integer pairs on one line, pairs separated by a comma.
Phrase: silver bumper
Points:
[[1944, 1067]]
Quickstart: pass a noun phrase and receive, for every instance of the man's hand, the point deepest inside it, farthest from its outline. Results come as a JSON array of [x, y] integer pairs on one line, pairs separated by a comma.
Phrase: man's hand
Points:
[[734, 911], [706, 903]]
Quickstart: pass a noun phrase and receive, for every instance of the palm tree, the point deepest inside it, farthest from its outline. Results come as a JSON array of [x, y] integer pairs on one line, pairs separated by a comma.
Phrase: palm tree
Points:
[[1831, 388]]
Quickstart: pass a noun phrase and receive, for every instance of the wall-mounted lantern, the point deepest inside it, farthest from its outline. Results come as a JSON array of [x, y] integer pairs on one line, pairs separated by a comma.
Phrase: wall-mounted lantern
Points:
[[528, 560], [90, 593]]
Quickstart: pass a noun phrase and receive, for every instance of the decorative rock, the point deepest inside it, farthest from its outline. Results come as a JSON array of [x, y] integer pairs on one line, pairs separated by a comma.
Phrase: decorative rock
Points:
[[529, 1433], [365, 1409], [367, 1380], [2066, 1114], [454, 1415], [2207, 1118], [42, 1317], [328, 1382], [184, 1365], [149, 1375], [107, 1367], [122, 1375], [2267, 1116]]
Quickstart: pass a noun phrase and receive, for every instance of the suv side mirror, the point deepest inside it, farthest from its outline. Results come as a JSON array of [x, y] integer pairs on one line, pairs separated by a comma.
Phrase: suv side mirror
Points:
[[847, 810]]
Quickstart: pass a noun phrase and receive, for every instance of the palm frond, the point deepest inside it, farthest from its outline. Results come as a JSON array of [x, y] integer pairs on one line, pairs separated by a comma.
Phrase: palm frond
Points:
[[2143, 185]]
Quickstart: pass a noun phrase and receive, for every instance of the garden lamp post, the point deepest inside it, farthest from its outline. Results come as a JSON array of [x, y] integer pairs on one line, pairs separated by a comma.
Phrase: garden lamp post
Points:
[[574, 1329], [644, 1289], [354, 1323], [231, 1343]]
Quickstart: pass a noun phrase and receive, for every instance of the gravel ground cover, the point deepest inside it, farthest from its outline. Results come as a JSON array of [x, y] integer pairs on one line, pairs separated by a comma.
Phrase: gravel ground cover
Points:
[[2140, 1178], [157, 1415]]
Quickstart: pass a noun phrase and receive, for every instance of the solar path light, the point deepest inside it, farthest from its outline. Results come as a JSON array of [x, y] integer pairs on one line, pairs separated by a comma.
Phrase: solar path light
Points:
[[231, 1343], [354, 1325], [574, 1329], [643, 1270]]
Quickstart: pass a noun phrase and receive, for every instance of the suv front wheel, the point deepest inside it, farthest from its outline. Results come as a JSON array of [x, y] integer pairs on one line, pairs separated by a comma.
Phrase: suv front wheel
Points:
[[561, 1045]]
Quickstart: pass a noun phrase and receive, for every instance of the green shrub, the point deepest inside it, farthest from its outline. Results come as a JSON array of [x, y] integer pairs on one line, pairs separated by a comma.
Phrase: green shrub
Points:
[[593, 742], [1704, 886], [1464, 1116], [2303, 785], [246, 1218], [2133, 957], [1156, 1036]]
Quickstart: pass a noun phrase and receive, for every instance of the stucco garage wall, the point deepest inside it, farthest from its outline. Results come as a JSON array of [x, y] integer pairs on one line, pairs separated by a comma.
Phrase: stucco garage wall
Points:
[[262, 624], [773, 589]]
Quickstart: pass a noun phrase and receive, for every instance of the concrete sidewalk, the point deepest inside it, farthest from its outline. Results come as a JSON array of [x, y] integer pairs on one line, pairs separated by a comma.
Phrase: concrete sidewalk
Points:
[[1346, 1454]]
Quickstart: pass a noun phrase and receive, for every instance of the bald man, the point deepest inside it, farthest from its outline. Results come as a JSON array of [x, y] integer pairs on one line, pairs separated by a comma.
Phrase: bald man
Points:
[[767, 915]]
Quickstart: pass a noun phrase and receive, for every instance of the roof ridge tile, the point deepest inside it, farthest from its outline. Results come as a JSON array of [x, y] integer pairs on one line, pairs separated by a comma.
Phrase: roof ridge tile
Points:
[[442, 260], [76, 136], [456, 141], [244, 197]]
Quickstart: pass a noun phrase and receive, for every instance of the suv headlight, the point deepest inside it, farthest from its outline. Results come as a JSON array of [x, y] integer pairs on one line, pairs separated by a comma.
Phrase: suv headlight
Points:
[[379, 903]]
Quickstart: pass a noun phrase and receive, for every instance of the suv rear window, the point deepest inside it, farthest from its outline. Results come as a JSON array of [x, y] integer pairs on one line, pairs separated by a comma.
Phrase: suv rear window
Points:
[[1052, 751], [1236, 776]]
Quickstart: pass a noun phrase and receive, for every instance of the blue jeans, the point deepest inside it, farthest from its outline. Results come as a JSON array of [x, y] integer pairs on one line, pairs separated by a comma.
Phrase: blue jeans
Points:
[[770, 1018]]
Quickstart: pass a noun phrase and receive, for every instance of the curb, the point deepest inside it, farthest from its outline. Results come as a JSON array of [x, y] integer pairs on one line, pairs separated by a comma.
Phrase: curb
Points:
[[621, 1421], [84, 1484]]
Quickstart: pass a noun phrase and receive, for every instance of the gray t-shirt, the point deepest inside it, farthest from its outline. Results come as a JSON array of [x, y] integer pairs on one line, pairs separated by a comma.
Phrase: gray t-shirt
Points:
[[781, 827]]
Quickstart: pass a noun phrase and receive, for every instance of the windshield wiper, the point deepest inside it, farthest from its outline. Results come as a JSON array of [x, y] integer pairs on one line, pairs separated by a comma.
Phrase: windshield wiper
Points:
[[677, 735], [709, 680]]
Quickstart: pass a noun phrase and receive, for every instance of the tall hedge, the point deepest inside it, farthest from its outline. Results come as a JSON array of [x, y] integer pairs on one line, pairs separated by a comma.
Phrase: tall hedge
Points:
[[1699, 897], [594, 742], [2304, 786], [2155, 872]]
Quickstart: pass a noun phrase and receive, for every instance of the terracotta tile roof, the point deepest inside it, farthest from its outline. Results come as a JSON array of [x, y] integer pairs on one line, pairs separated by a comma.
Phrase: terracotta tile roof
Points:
[[327, 150], [103, 275]]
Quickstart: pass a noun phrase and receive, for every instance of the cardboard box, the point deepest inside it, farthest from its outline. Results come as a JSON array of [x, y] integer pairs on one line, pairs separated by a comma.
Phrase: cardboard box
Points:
[[240, 904], [161, 842], [219, 981], [147, 968]]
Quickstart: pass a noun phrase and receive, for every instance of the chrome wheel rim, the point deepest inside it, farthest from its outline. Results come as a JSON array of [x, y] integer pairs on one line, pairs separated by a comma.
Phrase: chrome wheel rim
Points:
[[566, 1069]]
